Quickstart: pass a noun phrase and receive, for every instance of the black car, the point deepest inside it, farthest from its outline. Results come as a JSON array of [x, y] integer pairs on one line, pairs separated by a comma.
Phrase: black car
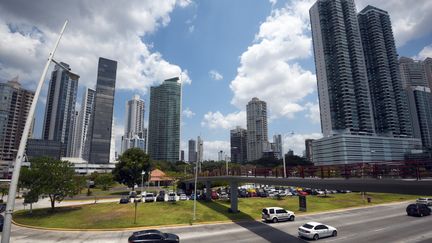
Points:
[[152, 236], [124, 200], [1, 223], [161, 197], [418, 210]]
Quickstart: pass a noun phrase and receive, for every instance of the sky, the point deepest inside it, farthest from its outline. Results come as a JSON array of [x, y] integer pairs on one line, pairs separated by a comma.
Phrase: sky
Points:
[[225, 51]]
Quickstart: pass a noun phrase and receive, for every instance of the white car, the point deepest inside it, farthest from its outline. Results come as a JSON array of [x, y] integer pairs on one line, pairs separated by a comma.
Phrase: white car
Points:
[[223, 196], [171, 197], [275, 214], [149, 197], [314, 230], [427, 201], [183, 197]]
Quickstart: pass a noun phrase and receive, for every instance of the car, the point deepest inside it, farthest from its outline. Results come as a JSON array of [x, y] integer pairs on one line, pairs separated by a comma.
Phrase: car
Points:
[[1, 222], [242, 193], [183, 197], [423, 200], [150, 197], [214, 195], [161, 196], [124, 200], [171, 197], [315, 230], [302, 193], [138, 198], [153, 236], [132, 194], [276, 214], [418, 209]]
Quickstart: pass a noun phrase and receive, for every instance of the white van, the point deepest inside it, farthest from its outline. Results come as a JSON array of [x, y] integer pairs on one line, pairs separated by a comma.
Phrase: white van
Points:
[[275, 214]]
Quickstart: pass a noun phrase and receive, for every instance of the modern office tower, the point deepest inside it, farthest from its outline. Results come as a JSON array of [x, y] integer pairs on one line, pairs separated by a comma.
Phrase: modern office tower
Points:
[[343, 90], [73, 142], [182, 154], [44, 148], [238, 139], [200, 152], [82, 146], [192, 151], [277, 145], [60, 107], [135, 133], [15, 104], [412, 72], [420, 101], [309, 151], [257, 139], [428, 70], [102, 119], [389, 101], [164, 121]]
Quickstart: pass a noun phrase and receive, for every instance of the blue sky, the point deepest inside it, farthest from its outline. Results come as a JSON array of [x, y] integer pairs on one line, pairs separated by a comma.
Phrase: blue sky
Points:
[[227, 51]]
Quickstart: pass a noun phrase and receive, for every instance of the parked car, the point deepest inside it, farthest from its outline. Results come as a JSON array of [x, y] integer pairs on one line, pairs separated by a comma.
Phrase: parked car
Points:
[[161, 196], [171, 197], [153, 236], [418, 209], [150, 197], [124, 200], [262, 193], [242, 193], [423, 200], [302, 193], [314, 230], [251, 193], [132, 194], [214, 195], [182, 197], [1, 222], [275, 214], [138, 198]]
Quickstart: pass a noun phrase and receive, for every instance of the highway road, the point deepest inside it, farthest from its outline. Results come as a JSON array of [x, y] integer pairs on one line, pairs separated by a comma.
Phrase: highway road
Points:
[[386, 223]]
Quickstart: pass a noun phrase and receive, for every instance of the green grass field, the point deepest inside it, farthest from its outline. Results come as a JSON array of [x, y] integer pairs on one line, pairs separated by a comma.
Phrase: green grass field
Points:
[[114, 215]]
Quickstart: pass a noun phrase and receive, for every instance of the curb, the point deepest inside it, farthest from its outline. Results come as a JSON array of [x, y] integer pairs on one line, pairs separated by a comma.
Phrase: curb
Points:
[[194, 224]]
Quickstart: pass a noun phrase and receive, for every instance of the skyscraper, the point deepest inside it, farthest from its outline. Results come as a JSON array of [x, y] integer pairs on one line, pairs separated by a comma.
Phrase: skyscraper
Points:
[[238, 139], [277, 145], [257, 138], [308, 151], [135, 133], [428, 70], [15, 104], [343, 90], [102, 120], [389, 101], [412, 72], [82, 147], [164, 121], [192, 151], [60, 107]]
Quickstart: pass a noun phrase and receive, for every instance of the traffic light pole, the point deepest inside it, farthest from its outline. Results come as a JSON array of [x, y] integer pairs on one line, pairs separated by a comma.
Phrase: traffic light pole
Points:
[[18, 161]]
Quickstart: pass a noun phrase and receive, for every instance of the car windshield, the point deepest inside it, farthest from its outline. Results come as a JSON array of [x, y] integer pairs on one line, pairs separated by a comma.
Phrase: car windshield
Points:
[[307, 226], [265, 211]]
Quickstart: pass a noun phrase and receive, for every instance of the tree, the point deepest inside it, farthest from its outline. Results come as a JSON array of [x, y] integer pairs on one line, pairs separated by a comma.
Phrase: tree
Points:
[[80, 183], [31, 197], [105, 181], [4, 190], [47, 176], [131, 163]]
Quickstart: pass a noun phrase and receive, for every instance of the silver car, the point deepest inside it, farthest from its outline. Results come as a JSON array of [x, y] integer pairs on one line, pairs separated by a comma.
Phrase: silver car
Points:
[[315, 230]]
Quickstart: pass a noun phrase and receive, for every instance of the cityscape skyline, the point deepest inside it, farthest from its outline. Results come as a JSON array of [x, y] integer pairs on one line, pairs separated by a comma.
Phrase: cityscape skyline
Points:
[[214, 121]]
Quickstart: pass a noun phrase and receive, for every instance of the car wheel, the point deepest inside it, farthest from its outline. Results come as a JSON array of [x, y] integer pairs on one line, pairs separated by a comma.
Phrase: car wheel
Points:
[[334, 233], [275, 220], [292, 218], [316, 237]]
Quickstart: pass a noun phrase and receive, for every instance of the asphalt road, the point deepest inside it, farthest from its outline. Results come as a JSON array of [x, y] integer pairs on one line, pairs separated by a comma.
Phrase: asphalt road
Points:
[[387, 223]]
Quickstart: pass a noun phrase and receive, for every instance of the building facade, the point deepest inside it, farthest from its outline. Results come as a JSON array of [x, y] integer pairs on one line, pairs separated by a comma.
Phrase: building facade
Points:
[[164, 121], [309, 149], [257, 132], [15, 104], [192, 151], [60, 107], [238, 141], [389, 101], [44, 148], [343, 89], [134, 125], [102, 120], [82, 147]]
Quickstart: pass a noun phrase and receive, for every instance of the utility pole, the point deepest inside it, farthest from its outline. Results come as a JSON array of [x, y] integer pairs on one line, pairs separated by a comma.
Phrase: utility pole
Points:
[[18, 161]]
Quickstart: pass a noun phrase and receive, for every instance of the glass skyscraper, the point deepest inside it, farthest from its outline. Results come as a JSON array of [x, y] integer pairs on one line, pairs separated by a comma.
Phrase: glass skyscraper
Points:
[[164, 121], [101, 122], [257, 132]]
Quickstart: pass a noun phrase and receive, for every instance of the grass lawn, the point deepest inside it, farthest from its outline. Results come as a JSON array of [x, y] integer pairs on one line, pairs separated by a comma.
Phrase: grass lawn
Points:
[[114, 215]]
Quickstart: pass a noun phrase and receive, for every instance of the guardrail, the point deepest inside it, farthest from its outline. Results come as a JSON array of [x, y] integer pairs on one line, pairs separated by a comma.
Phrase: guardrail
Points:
[[379, 170]]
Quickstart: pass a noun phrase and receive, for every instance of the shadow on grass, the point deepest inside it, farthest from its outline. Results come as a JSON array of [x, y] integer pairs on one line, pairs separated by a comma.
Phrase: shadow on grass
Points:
[[42, 212], [261, 229]]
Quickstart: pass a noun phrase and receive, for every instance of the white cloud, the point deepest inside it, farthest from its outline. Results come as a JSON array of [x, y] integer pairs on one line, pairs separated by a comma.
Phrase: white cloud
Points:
[[268, 69], [215, 75], [296, 142], [273, 2], [313, 112], [212, 148], [215, 120], [410, 19], [425, 52], [191, 28], [188, 113], [27, 36]]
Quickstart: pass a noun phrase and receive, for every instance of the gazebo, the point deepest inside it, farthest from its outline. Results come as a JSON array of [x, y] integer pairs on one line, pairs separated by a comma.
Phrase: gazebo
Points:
[[158, 178]]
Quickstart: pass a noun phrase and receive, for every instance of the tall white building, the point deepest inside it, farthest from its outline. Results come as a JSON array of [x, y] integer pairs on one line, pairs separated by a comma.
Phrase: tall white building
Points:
[[135, 133], [257, 138], [83, 122]]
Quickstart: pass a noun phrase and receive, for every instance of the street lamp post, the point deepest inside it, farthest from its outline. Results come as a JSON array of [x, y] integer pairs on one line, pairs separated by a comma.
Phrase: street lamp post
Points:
[[195, 190], [142, 181], [18, 161]]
